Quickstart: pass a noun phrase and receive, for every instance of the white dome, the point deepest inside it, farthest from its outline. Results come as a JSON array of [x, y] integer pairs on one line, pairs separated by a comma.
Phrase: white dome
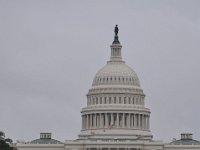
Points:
[[116, 73], [115, 102]]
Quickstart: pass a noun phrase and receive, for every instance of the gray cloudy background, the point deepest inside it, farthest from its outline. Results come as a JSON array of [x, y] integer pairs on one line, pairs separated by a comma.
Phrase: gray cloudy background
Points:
[[51, 50]]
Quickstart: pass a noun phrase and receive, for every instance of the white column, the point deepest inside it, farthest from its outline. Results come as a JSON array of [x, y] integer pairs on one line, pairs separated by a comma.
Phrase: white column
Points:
[[90, 121], [95, 120], [112, 119], [86, 125], [139, 121], [123, 120], [106, 120], [83, 122], [135, 123], [129, 121], [148, 122], [117, 120], [101, 120]]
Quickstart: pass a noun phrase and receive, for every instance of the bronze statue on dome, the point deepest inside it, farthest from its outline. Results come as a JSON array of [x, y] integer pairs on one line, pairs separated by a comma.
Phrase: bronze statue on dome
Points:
[[116, 30]]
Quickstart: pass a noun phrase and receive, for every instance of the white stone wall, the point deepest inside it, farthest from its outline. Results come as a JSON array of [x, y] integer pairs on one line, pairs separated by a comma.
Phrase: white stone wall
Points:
[[27, 146]]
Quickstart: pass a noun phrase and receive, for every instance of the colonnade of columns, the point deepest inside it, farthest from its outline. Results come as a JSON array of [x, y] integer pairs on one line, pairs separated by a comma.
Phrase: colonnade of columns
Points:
[[112, 148], [116, 52], [115, 120]]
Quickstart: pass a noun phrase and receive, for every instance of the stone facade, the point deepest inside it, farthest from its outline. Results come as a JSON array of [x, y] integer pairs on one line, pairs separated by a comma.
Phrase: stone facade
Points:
[[115, 117]]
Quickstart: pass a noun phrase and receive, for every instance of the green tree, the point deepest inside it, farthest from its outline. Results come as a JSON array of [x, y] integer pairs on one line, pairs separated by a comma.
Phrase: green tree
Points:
[[5, 143]]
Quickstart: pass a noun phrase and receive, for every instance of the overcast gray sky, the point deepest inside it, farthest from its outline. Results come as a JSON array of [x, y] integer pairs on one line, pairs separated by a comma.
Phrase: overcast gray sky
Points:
[[51, 50]]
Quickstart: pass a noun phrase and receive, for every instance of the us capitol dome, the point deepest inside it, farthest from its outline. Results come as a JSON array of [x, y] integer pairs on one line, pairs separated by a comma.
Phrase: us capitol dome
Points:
[[115, 117], [116, 102]]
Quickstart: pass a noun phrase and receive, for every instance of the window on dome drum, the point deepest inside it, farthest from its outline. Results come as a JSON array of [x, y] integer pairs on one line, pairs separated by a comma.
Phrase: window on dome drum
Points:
[[114, 100], [97, 100], [93, 101], [100, 100], [120, 101], [104, 100], [124, 100], [109, 100], [129, 100]]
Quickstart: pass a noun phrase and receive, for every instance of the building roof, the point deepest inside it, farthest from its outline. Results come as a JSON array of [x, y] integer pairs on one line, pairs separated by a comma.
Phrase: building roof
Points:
[[45, 138], [186, 139], [45, 141], [185, 142]]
